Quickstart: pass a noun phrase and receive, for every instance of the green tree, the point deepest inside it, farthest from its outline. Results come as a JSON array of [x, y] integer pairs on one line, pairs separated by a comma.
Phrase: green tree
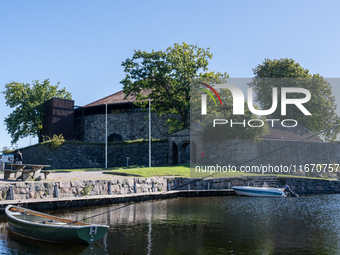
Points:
[[280, 68], [287, 73], [164, 77], [28, 103]]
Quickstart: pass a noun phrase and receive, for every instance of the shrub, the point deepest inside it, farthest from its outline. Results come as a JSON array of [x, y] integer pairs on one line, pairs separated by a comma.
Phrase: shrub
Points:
[[55, 142]]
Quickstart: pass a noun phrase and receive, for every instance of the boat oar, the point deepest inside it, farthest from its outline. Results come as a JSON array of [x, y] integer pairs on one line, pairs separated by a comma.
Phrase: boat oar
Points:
[[49, 217]]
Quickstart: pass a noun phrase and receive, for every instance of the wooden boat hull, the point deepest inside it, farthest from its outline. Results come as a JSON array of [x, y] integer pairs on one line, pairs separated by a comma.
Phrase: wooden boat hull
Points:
[[258, 192], [63, 232]]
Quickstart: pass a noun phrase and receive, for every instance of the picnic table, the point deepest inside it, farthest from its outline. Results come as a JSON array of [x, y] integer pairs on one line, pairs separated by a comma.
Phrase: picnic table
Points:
[[26, 172]]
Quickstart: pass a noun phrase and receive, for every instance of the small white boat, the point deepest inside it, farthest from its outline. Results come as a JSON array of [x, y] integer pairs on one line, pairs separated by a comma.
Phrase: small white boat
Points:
[[264, 191], [258, 191]]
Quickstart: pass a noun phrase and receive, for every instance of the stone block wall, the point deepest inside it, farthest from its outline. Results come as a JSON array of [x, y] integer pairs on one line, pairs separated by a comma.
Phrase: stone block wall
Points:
[[129, 186], [81, 188], [299, 185], [292, 154], [313, 186], [130, 126], [72, 155]]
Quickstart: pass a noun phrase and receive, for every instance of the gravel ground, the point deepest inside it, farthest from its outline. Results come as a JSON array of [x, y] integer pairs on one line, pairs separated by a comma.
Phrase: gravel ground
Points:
[[72, 175], [80, 175]]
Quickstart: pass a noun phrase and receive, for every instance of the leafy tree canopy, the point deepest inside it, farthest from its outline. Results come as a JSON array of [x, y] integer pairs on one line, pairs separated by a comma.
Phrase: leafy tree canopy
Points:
[[165, 76], [28, 103], [321, 105], [280, 68]]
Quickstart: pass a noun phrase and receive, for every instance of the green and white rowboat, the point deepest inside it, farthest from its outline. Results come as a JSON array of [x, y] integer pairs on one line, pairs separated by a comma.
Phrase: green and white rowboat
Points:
[[46, 227]]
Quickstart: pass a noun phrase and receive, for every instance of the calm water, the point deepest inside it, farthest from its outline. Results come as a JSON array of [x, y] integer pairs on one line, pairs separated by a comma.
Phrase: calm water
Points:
[[214, 225]]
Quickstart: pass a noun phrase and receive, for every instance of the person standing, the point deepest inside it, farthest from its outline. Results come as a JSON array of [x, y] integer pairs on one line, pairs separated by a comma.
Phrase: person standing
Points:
[[202, 156], [18, 157]]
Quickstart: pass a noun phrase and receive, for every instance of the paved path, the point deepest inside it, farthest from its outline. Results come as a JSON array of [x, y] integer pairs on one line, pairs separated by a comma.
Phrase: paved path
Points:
[[72, 175]]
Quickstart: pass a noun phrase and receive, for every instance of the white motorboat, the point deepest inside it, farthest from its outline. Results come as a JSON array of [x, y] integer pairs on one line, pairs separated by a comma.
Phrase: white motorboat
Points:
[[264, 191]]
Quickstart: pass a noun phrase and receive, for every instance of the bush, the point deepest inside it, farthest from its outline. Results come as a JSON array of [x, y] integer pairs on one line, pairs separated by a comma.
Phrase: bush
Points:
[[55, 142]]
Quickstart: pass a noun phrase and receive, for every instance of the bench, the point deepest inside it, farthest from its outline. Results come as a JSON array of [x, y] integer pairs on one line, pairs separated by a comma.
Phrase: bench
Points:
[[45, 172], [7, 173], [26, 173]]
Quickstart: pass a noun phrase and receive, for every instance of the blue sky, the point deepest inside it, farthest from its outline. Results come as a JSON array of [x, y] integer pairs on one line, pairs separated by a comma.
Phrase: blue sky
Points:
[[82, 44]]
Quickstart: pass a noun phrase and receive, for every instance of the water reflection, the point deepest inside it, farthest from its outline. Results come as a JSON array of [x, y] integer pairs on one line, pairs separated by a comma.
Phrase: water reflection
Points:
[[213, 225]]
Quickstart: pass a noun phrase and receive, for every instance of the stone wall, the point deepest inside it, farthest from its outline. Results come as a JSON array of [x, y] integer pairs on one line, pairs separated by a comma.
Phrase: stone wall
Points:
[[299, 185], [128, 186], [235, 152], [243, 152], [130, 126], [80, 188], [72, 155]]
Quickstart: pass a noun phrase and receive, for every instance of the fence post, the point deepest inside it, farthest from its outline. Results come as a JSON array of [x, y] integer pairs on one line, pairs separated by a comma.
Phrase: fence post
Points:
[[135, 187], [56, 191], [110, 189], [11, 193]]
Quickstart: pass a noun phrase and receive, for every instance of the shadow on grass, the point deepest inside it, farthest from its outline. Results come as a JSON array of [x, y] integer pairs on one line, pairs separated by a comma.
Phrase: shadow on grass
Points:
[[122, 174]]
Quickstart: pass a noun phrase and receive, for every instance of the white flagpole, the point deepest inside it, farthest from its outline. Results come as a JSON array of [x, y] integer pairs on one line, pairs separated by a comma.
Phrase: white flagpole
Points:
[[149, 134], [105, 135]]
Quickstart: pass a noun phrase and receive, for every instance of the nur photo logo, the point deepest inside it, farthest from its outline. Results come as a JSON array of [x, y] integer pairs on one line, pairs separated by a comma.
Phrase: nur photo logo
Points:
[[238, 107]]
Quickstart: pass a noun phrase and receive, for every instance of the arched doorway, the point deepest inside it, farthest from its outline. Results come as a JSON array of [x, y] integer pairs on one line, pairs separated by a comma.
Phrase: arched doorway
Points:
[[184, 153], [114, 138]]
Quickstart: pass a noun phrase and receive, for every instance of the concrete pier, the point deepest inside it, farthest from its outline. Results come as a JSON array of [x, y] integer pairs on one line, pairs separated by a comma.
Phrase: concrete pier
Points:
[[85, 201]]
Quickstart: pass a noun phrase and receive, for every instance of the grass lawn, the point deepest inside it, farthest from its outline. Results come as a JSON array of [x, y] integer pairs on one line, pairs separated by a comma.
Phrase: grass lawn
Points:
[[179, 170], [176, 171], [140, 171]]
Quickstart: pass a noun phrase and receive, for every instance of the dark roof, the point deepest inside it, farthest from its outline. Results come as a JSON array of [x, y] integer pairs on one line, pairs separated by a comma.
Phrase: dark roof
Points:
[[298, 133], [116, 98]]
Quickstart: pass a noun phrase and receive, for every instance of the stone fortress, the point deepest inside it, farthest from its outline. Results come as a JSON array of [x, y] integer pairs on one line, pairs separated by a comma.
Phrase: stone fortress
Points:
[[127, 122], [87, 124]]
